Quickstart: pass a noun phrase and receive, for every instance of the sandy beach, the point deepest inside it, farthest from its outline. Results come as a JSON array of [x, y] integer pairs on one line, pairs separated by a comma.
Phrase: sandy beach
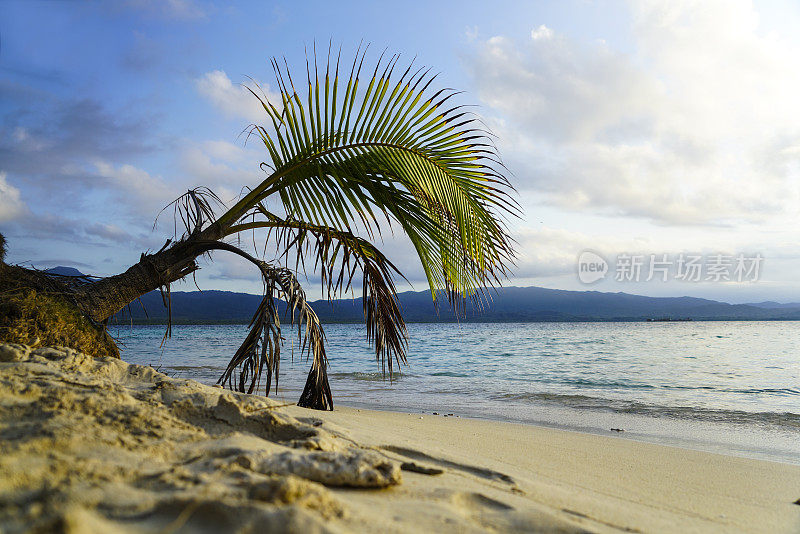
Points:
[[98, 445]]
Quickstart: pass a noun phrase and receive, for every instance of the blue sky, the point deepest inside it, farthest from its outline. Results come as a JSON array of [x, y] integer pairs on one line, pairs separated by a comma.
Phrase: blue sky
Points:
[[642, 128]]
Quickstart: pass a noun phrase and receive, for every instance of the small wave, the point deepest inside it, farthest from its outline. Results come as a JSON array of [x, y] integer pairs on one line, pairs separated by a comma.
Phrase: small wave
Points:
[[369, 377], [776, 392], [771, 391], [607, 384], [192, 367], [584, 402]]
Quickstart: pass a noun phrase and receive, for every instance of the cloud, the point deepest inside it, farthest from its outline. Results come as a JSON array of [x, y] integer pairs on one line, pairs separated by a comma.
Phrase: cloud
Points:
[[66, 229], [233, 100], [38, 141], [135, 187], [11, 205], [699, 124], [542, 32], [548, 252], [229, 267], [171, 9], [112, 234], [221, 166]]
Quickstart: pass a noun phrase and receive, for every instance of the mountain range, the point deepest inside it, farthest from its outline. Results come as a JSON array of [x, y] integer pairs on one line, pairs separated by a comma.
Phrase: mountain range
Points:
[[508, 304]]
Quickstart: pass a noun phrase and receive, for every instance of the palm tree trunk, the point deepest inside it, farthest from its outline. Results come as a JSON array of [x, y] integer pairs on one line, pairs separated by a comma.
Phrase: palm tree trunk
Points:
[[102, 299]]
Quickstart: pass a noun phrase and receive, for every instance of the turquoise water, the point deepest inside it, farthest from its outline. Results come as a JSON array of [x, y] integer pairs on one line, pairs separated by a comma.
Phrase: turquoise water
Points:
[[730, 387]]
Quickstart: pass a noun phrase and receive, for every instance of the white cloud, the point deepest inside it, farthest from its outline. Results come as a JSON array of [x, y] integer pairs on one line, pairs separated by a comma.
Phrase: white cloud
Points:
[[699, 125], [135, 187], [11, 205], [234, 100], [542, 32], [224, 151], [546, 252], [171, 9], [222, 167]]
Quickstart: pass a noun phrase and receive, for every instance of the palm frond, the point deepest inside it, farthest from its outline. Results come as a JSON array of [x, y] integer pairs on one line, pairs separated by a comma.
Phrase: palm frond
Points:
[[340, 256], [394, 151], [345, 159], [195, 209], [260, 350]]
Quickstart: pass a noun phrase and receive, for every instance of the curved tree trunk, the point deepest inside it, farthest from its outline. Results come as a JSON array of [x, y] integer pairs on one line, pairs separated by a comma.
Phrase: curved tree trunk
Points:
[[102, 299]]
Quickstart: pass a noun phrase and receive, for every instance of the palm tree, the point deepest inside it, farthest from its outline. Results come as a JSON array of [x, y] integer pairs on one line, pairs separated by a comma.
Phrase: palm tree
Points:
[[344, 164]]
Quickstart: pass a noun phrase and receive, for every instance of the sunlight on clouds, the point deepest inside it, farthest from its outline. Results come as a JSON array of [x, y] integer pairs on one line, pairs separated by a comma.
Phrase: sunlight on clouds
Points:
[[698, 126], [137, 187], [221, 166], [11, 205], [234, 100], [542, 32]]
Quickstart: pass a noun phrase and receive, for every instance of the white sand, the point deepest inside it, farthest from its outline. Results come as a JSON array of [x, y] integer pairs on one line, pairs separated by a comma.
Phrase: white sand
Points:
[[91, 445]]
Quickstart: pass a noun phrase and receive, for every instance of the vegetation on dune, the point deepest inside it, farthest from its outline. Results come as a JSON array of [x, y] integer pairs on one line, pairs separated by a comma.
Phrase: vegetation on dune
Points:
[[345, 162], [35, 310]]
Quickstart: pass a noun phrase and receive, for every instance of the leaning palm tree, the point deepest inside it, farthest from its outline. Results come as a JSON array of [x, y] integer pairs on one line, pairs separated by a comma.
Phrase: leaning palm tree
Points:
[[344, 164]]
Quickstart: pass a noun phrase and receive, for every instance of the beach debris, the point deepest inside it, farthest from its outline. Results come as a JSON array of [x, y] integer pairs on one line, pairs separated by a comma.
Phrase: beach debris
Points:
[[422, 469], [797, 502], [617, 430]]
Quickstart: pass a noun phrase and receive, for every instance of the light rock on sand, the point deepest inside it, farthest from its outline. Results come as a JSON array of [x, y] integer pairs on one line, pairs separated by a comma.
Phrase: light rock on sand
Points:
[[98, 445]]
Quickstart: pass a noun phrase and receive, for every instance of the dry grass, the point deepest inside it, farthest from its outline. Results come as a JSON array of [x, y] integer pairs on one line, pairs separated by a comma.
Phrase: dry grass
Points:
[[34, 310]]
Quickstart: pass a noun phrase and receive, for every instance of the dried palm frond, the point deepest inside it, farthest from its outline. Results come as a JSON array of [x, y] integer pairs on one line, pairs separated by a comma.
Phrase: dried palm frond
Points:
[[261, 349], [340, 256], [195, 208]]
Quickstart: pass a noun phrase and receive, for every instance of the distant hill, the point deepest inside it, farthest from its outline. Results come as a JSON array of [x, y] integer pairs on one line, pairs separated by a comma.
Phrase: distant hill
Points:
[[775, 305], [64, 271], [509, 304]]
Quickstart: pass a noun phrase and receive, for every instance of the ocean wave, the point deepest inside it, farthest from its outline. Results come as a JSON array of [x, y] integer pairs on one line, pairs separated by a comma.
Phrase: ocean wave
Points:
[[369, 377], [193, 367], [585, 402]]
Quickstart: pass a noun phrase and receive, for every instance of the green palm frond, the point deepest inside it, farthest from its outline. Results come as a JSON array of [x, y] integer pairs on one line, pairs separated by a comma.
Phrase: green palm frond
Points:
[[395, 151], [349, 158]]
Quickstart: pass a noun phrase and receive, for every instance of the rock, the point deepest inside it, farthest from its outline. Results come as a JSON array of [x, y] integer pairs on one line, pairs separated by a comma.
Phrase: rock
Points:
[[360, 469]]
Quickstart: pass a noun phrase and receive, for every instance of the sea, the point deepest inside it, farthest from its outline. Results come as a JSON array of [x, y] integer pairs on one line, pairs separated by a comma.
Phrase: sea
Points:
[[724, 387]]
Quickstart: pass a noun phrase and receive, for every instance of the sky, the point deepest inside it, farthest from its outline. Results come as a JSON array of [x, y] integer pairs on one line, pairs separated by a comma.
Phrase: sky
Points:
[[651, 134]]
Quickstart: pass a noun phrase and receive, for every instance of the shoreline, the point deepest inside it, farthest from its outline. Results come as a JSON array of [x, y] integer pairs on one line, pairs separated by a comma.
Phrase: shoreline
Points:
[[616, 482], [97, 445], [693, 443]]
